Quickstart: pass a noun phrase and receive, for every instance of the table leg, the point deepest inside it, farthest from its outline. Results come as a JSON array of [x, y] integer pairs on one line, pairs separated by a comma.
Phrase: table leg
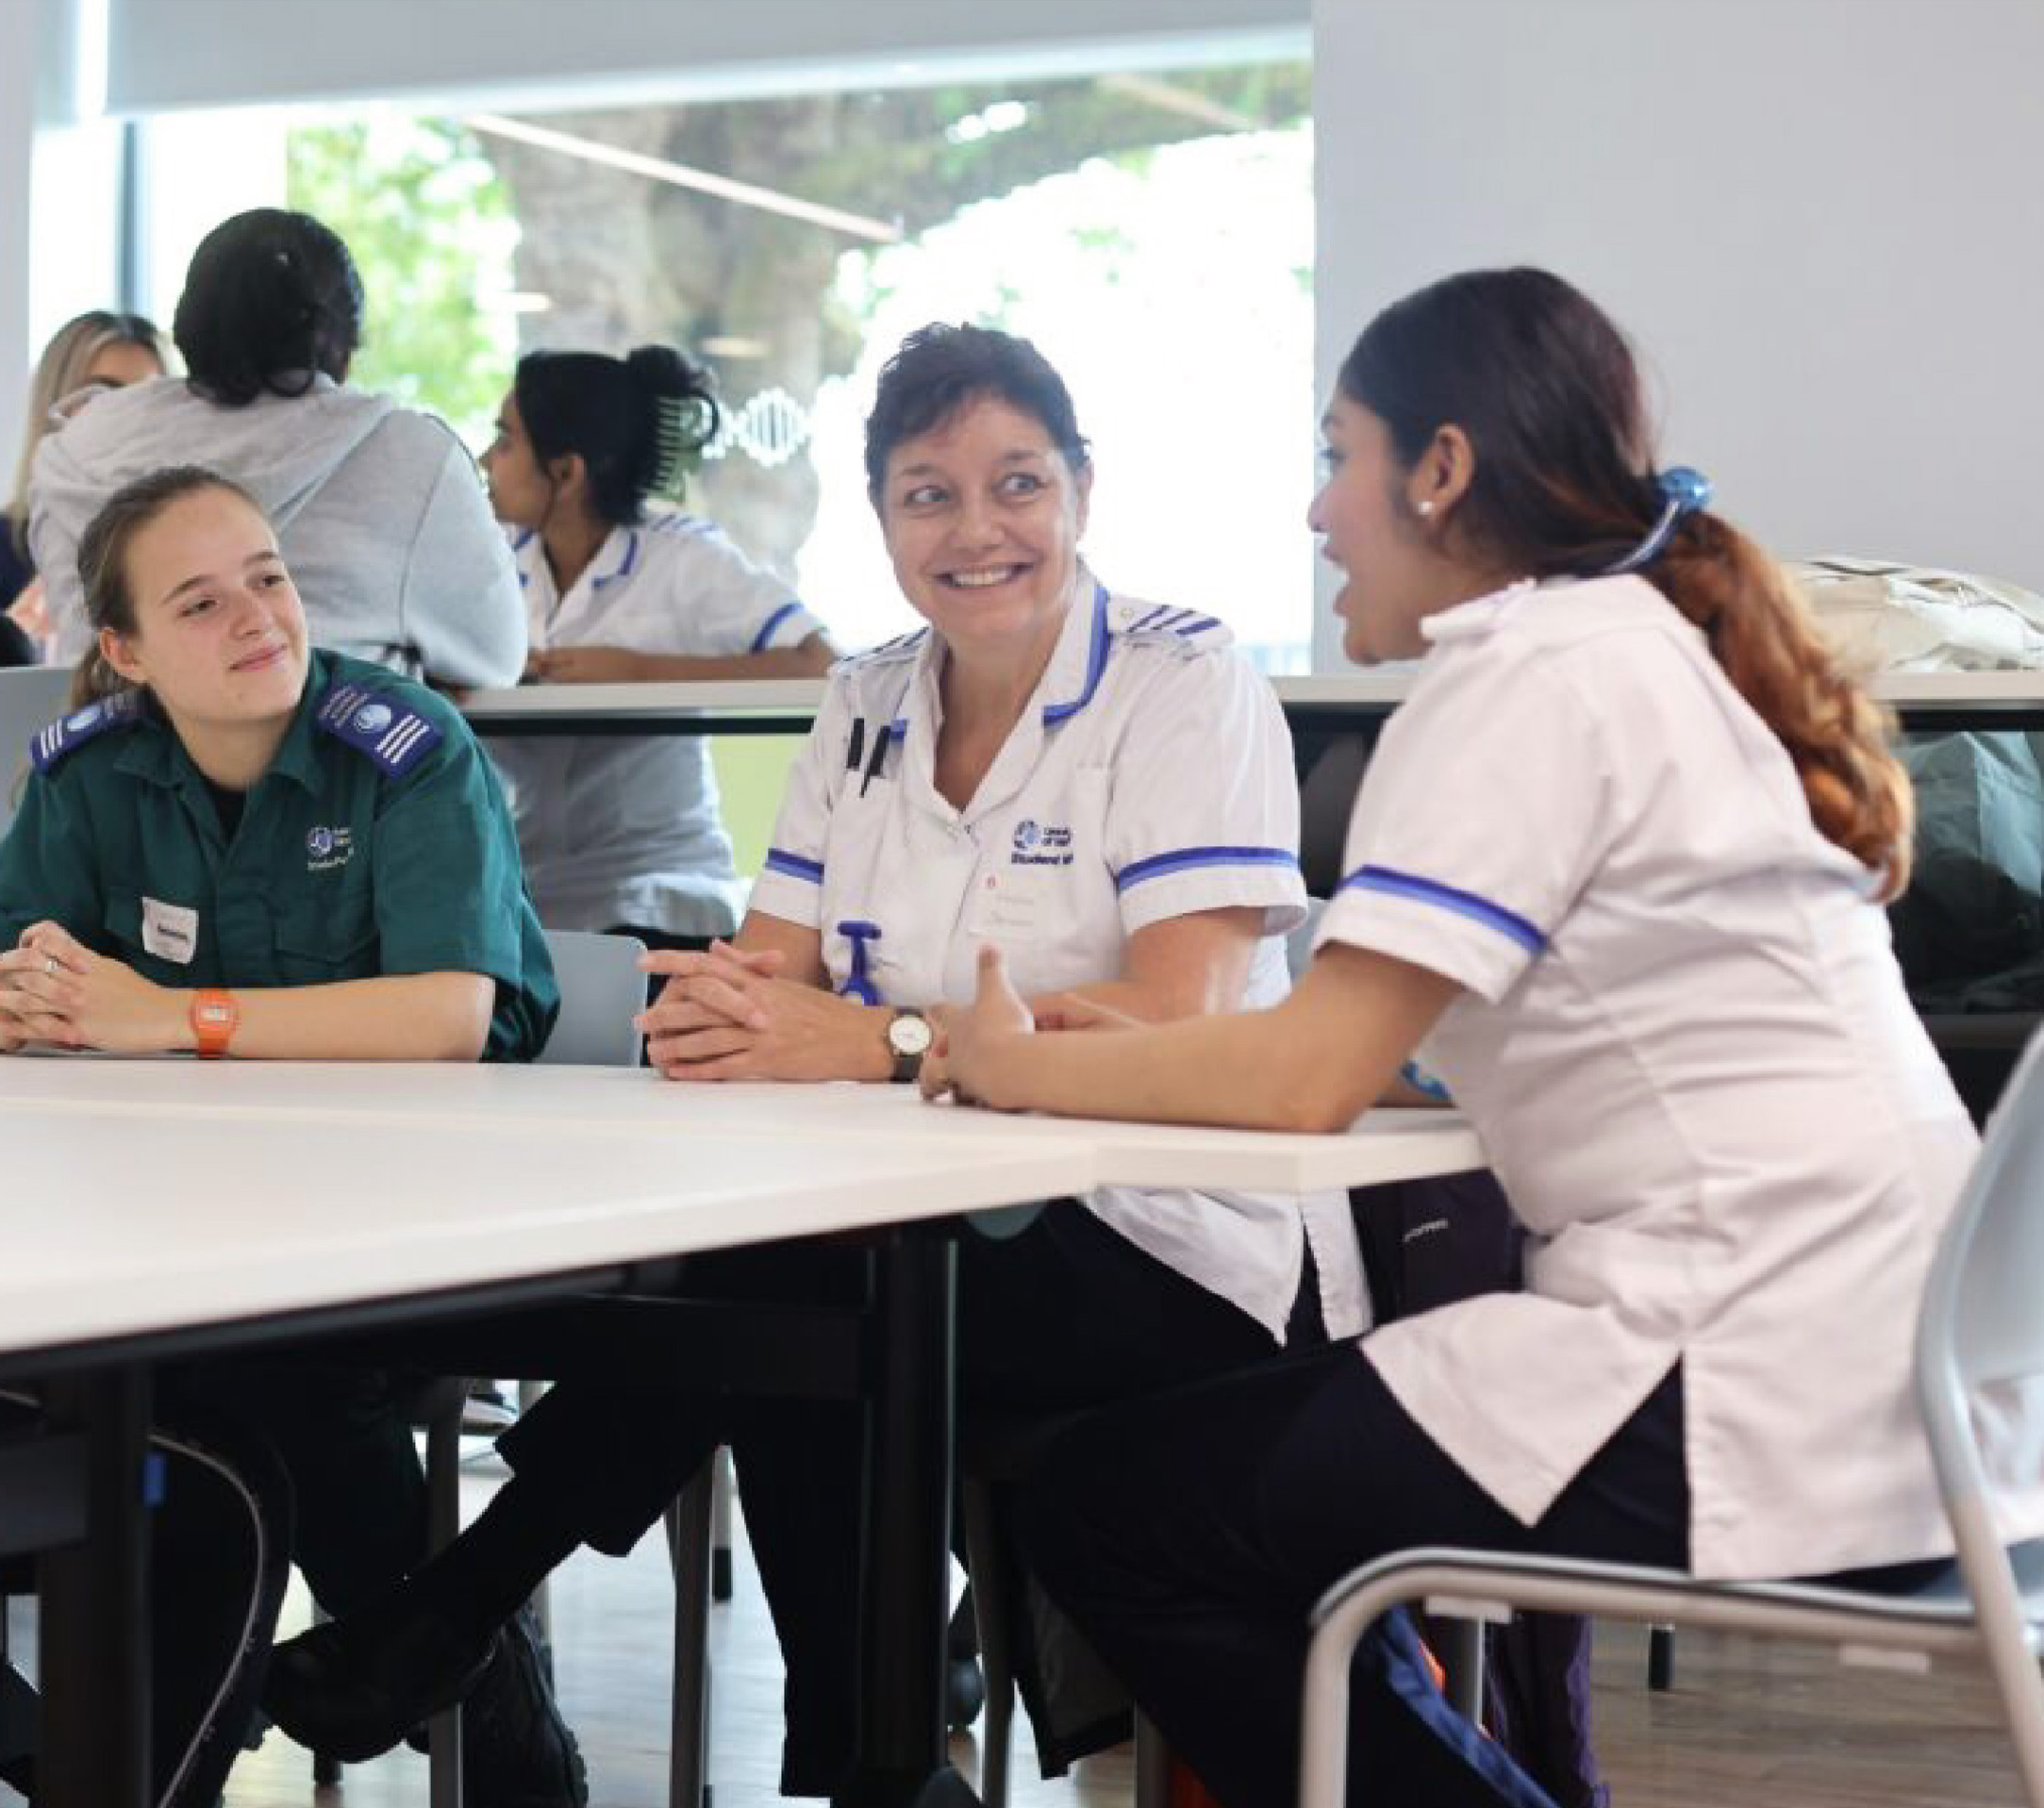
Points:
[[908, 1533], [94, 1658]]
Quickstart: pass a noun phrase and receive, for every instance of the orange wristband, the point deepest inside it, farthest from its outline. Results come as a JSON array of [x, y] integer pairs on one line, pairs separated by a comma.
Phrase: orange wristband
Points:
[[215, 1016]]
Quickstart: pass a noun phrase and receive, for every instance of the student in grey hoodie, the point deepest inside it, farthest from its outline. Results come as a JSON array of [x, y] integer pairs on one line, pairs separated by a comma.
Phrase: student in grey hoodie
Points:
[[377, 508]]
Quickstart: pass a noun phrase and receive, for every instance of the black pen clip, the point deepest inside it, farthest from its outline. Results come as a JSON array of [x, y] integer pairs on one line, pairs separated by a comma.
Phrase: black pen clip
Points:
[[879, 756], [857, 745]]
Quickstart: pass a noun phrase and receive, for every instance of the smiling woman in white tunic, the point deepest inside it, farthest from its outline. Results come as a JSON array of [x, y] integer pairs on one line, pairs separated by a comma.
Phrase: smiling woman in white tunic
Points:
[[1620, 860]]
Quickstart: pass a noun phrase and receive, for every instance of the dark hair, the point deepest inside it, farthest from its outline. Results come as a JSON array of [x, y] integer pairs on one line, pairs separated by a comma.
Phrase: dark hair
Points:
[[941, 368], [102, 548], [639, 423], [272, 299], [1546, 390]]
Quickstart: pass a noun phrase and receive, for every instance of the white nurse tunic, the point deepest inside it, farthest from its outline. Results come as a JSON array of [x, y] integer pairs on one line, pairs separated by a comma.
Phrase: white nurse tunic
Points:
[[1150, 776], [1686, 1043]]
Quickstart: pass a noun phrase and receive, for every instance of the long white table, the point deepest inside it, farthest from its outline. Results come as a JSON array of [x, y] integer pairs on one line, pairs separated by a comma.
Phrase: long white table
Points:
[[1929, 699], [152, 1208]]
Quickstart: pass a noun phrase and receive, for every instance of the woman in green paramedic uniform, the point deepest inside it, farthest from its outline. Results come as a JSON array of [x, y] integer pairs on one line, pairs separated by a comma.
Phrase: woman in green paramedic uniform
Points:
[[249, 848]]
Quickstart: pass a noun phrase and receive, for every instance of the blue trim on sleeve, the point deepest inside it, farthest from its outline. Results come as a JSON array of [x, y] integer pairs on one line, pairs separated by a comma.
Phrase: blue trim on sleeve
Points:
[[1096, 662], [1508, 923], [764, 638], [792, 866], [1158, 866]]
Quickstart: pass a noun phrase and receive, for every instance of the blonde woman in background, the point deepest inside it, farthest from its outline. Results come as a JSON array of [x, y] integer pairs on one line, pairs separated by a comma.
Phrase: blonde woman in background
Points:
[[96, 351]]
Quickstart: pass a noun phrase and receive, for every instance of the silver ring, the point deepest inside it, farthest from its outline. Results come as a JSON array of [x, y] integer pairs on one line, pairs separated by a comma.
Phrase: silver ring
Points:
[[49, 964]]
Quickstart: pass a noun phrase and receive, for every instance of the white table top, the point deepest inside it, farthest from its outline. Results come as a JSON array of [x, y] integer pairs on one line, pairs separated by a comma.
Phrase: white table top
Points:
[[118, 1220], [1367, 692], [1385, 1145]]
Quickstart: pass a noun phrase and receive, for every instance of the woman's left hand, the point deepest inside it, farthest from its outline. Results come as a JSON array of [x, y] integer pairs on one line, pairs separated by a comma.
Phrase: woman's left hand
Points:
[[721, 1017], [970, 1056], [585, 666], [72, 997]]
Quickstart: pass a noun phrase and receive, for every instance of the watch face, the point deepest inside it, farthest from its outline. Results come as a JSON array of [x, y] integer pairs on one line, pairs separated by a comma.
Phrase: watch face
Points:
[[909, 1034]]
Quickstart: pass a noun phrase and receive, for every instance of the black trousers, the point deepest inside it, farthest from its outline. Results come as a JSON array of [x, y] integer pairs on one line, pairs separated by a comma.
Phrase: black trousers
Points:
[[343, 1436], [1189, 1536], [218, 1567], [1068, 1315]]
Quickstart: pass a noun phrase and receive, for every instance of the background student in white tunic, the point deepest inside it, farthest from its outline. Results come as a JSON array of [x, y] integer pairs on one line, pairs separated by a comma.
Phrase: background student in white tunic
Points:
[[624, 833], [1620, 860], [1106, 782]]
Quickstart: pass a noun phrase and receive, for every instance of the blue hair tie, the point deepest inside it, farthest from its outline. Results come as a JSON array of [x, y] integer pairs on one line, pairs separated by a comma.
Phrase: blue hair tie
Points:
[[1684, 492]]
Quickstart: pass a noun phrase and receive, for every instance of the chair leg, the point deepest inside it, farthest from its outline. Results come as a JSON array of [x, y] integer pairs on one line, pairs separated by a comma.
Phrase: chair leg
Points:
[[542, 1597], [720, 1526], [443, 1525], [1152, 1764], [689, 1534], [990, 1607], [1459, 1645], [1660, 1658]]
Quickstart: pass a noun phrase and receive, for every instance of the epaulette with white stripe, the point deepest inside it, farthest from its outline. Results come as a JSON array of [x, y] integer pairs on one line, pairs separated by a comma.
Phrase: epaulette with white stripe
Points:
[[391, 733], [903, 647], [124, 709], [679, 525], [1159, 624]]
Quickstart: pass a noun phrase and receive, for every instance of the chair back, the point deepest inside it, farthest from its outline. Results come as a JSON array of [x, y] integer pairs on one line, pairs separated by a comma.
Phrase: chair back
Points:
[[601, 991], [1981, 1324], [1327, 799], [31, 697]]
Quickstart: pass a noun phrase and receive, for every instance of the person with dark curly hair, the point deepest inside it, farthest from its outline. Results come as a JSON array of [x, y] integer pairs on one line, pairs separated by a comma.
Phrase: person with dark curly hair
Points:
[[624, 833], [375, 506]]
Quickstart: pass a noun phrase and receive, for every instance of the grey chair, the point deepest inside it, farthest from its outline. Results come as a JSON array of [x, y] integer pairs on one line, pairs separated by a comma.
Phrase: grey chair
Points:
[[1979, 1327], [30, 698]]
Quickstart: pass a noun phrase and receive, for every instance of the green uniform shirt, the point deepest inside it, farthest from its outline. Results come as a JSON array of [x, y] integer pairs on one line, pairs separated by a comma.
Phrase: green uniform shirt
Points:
[[350, 862]]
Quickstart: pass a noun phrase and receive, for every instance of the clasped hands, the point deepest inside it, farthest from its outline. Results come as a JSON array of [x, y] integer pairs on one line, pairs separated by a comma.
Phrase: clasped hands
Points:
[[729, 1014], [54, 989]]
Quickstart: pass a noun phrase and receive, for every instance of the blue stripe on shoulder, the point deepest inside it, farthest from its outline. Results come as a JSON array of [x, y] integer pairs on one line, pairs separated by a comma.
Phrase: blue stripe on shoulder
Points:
[[1508, 923]]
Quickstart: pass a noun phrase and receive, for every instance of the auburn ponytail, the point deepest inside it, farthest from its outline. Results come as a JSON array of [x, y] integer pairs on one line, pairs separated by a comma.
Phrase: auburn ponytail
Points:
[[1760, 633]]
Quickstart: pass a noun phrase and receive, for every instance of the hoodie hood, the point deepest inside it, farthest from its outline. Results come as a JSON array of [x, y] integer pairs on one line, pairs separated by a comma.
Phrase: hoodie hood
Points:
[[280, 449]]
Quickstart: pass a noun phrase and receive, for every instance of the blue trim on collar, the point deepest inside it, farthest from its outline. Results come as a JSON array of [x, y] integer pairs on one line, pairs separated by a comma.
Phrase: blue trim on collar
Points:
[[626, 566], [764, 638], [1096, 663], [1158, 866], [1508, 923]]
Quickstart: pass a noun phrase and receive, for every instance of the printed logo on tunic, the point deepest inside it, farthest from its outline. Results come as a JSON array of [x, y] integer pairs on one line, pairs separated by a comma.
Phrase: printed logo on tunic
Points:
[[1038, 844], [327, 847], [374, 718]]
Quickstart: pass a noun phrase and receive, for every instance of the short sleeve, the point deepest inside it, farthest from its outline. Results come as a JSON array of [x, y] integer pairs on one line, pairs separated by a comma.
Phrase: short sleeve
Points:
[[715, 602], [1481, 818], [1204, 809], [49, 869], [451, 893], [790, 883]]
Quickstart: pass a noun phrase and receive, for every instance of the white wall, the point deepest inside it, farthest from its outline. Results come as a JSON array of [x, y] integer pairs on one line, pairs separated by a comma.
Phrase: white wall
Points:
[[1822, 221]]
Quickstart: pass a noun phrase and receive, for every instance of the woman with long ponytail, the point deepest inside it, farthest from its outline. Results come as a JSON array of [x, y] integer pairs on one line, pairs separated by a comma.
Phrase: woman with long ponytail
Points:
[[1619, 861]]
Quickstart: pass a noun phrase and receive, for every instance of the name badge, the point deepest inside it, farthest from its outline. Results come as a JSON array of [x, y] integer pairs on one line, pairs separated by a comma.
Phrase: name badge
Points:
[[170, 932], [1010, 905]]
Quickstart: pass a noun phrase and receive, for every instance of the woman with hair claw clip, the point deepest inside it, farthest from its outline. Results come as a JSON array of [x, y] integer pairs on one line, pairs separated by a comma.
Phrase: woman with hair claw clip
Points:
[[624, 834], [1619, 860]]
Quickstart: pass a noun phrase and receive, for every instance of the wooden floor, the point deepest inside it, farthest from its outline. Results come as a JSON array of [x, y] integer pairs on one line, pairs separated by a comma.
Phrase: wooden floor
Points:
[[1748, 1722]]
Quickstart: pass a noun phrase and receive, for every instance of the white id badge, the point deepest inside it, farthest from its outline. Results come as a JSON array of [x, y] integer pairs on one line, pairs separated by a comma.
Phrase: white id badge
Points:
[[170, 932], [1009, 904]]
